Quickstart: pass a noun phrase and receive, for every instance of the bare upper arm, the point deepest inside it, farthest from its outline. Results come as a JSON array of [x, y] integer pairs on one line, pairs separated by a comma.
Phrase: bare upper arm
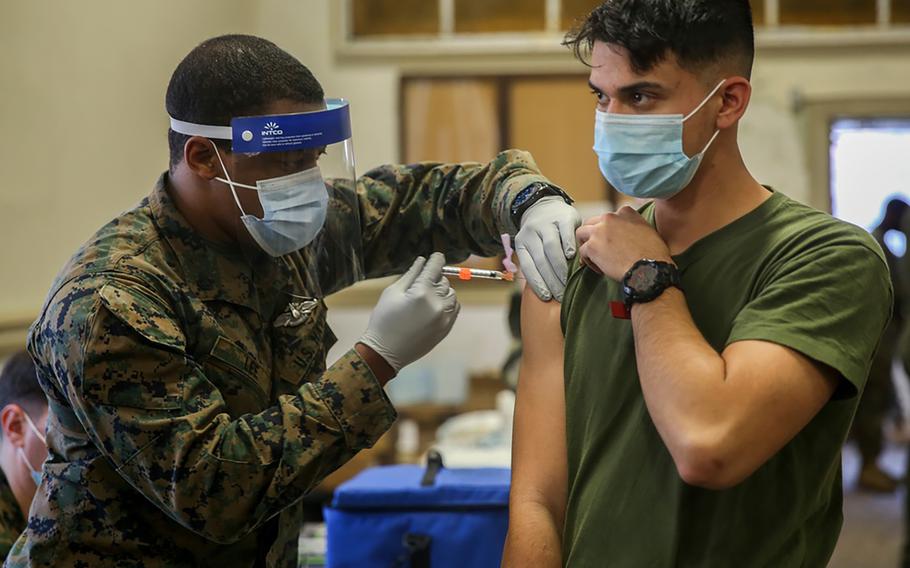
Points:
[[539, 445]]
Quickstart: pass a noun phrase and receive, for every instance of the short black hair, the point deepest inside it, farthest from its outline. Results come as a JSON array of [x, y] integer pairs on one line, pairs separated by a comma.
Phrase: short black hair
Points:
[[895, 210], [233, 75], [19, 385], [896, 207], [699, 33]]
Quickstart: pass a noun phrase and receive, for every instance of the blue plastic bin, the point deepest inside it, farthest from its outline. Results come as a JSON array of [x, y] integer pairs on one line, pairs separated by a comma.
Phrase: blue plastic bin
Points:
[[409, 517]]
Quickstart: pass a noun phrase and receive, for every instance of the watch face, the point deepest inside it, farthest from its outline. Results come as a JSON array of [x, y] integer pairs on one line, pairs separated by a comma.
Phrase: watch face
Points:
[[643, 277], [524, 195]]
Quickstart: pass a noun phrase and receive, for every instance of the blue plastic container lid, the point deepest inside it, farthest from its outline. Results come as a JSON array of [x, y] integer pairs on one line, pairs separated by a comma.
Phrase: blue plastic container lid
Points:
[[398, 486]]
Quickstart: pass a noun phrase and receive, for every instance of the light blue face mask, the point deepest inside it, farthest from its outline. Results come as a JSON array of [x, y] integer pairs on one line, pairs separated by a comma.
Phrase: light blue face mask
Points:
[[294, 208], [641, 155], [32, 472], [35, 474]]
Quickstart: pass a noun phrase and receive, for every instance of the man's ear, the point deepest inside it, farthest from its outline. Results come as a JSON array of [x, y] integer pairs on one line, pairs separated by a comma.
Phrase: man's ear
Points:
[[737, 92], [200, 157], [12, 421]]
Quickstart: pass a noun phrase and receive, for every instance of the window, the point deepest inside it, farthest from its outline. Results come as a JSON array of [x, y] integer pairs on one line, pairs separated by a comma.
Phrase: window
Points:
[[758, 12], [868, 167], [372, 19], [575, 10], [900, 11], [472, 16], [394, 17], [828, 12]]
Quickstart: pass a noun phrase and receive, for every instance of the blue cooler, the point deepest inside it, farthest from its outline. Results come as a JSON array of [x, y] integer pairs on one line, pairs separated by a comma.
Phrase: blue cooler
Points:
[[406, 516]]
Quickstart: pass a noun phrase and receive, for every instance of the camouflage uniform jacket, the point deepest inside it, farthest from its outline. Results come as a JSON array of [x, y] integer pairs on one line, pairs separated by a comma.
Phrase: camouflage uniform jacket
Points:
[[184, 426], [12, 522]]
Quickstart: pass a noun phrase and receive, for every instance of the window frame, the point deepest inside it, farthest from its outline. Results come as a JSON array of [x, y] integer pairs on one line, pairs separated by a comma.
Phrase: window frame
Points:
[[544, 47], [819, 115]]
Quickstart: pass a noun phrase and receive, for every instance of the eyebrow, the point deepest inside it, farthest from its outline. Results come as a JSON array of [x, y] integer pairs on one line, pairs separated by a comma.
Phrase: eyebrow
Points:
[[629, 89]]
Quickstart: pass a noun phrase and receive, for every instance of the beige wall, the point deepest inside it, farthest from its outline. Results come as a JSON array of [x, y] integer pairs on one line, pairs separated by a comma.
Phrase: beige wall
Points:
[[84, 129], [774, 136], [82, 109]]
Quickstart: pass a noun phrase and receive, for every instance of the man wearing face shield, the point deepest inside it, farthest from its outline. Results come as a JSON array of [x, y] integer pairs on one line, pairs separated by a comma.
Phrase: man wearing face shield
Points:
[[183, 347], [23, 412]]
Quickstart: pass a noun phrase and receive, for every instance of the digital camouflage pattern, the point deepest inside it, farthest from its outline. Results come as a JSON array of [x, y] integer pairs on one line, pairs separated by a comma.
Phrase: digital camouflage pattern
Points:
[[184, 426], [12, 521]]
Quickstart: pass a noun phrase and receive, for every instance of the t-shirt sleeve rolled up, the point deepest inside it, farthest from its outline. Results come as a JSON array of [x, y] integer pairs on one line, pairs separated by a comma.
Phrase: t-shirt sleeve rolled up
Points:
[[830, 303]]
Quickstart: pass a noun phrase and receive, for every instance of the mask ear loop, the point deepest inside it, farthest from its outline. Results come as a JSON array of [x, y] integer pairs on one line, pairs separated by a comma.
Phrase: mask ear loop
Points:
[[24, 458], [711, 141], [705, 101], [228, 180], [35, 428], [36, 473], [701, 106]]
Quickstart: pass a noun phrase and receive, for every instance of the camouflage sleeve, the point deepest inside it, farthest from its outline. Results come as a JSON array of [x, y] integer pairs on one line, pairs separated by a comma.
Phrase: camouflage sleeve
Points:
[[417, 209], [121, 359], [9, 532], [12, 522]]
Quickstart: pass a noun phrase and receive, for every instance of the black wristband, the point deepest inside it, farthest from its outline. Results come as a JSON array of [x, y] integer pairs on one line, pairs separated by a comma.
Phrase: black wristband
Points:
[[531, 195]]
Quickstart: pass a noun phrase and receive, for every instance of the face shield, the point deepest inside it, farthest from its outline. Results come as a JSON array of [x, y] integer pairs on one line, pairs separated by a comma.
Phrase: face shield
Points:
[[307, 190]]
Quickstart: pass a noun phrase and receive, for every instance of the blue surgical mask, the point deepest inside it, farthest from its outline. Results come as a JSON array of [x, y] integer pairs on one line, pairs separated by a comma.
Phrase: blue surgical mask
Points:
[[642, 156], [33, 473], [294, 209]]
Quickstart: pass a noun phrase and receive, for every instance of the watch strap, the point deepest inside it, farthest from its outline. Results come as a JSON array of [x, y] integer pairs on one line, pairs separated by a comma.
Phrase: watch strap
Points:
[[533, 193]]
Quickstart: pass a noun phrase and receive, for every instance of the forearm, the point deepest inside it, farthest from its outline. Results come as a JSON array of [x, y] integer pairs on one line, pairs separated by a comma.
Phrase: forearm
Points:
[[534, 537], [236, 473], [458, 209], [682, 376], [379, 366]]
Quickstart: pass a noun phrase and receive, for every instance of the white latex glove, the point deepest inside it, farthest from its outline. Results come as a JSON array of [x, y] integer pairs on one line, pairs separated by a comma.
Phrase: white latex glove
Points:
[[413, 315], [544, 243]]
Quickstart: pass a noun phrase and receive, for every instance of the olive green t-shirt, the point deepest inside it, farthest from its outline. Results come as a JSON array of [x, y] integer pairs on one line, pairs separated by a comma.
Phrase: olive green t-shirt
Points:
[[783, 273]]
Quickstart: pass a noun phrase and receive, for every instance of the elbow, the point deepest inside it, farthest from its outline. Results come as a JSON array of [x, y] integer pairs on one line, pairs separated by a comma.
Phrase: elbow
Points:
[[709, 465], [224, 533], [227, 536], [705, 474], [220, 529]]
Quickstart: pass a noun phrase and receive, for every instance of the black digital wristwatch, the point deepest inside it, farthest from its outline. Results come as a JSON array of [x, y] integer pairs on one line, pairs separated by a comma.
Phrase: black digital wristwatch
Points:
[[647, 280]]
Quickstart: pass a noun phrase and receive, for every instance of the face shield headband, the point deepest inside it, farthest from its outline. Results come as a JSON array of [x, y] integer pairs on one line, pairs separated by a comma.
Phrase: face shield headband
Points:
[[278, 132]]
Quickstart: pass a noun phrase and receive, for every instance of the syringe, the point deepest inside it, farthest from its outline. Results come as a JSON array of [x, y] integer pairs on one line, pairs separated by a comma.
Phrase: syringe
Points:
[[471, 273]]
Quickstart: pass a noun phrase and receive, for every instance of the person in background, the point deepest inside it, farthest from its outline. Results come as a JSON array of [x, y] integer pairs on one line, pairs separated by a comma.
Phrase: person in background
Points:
[[23, 413], [900, 273], [878, 397]]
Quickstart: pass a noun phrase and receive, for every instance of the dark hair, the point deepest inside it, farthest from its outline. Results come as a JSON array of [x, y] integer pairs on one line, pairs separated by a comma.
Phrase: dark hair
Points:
[[233, 75], [894, 212], [19, 385], [699, 33]]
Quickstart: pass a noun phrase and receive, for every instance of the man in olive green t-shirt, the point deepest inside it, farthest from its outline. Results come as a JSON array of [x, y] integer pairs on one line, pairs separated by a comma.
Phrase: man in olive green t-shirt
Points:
[[687, 404]]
